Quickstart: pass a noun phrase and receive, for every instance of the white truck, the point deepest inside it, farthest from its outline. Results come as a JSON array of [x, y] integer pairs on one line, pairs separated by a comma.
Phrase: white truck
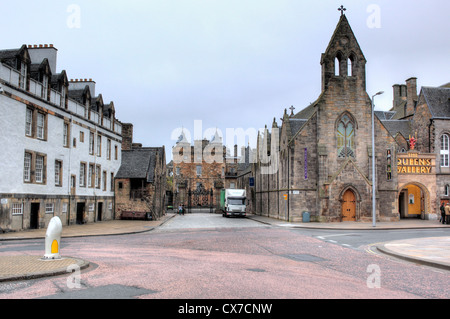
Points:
[[233, 202]]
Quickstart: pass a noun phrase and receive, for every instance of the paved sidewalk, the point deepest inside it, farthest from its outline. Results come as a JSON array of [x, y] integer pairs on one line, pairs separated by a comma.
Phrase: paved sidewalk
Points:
[[430, 251], [24, 267]]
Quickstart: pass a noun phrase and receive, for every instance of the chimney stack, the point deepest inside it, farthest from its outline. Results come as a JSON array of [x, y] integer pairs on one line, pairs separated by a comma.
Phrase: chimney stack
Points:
[[127, 136], [399, 94], [411, 96]]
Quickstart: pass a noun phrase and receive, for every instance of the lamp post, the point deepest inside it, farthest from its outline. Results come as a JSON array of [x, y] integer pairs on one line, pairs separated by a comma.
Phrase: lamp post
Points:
[[374, 215]]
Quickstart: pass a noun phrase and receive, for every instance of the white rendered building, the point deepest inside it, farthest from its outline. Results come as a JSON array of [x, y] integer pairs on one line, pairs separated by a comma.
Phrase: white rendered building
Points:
[[61, 144]]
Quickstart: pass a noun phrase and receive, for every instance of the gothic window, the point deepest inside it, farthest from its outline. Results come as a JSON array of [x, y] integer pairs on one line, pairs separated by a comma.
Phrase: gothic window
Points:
[[337, 66], [445, 141], [349, 68], [351, 65], [346, 137]]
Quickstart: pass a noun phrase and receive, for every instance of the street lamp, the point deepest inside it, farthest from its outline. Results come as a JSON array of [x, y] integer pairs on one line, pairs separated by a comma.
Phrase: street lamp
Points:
[[374, 216]]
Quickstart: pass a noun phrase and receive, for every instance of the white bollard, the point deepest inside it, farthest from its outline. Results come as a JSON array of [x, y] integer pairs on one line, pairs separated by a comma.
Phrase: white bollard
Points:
[[53, 239]]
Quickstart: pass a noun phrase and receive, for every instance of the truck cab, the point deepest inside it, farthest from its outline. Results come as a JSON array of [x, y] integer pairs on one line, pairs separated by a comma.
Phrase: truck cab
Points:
[[233, 202]]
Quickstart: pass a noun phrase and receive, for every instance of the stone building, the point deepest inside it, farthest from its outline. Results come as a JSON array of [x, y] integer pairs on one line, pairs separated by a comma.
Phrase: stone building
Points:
[[61, 143], [320, 159], [424, 171], [140, 183], [201, 170]]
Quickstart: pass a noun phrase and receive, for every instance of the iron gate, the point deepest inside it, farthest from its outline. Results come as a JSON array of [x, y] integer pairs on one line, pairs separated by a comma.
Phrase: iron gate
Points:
[[200, 198]]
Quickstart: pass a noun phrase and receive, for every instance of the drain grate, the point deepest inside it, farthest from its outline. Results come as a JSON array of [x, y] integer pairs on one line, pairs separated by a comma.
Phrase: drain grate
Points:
[[256, 270], [103, 292], [304, 257]]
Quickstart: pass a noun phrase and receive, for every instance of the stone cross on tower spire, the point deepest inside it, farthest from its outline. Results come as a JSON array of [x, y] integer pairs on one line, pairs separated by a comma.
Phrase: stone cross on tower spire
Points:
[[292, 108], [342, 9]]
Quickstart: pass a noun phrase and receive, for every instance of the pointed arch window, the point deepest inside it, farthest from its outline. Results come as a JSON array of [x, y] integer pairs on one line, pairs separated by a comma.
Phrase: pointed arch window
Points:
[[346, 137], [351, 61], [337, 67], [349, 67]]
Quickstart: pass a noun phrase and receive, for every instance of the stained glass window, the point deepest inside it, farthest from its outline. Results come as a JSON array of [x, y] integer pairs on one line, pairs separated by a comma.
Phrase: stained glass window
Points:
[[346, 137]]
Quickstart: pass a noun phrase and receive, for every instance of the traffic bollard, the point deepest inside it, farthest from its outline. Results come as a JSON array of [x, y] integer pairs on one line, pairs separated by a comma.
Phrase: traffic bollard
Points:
[[53, 239]]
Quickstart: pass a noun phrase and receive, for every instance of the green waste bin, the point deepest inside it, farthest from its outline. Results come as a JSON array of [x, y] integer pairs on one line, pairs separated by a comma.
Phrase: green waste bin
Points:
[[306, 217]]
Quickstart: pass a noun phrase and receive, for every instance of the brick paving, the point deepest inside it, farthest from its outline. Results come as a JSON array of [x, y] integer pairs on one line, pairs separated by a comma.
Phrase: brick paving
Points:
[[29, 267]]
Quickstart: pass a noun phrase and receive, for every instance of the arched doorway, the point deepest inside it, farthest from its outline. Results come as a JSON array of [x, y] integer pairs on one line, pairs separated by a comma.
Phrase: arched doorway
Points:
[[349, 206], [413, 201]]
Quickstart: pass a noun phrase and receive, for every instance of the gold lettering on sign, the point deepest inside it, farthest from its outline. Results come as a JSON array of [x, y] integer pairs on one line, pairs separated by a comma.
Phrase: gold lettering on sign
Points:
[[414, 165]]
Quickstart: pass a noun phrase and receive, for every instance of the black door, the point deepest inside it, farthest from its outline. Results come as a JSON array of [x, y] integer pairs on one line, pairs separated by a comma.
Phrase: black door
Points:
[[99, 212], [34, 216], [80, 213]]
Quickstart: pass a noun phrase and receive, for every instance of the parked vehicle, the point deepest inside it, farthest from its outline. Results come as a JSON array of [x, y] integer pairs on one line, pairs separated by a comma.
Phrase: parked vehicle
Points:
[[233, 202]]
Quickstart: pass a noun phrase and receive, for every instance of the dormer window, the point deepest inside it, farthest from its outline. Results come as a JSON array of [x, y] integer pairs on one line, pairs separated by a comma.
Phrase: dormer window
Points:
[[44, 92], [63, 96], [23, 75]]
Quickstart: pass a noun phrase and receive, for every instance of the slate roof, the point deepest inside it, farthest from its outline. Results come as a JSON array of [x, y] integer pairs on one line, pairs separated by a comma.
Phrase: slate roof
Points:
[[9, 54], [296, 125], [438, 101], [398, 126], [382, 115], [306, 113], [139, 163]]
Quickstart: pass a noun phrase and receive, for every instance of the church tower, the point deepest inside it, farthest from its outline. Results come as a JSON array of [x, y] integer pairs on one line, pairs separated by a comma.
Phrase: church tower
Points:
[[343, 60], [344, 118], [326, 149]]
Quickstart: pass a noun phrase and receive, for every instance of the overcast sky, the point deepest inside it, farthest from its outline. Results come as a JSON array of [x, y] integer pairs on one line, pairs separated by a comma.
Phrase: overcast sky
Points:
[[228, 63]]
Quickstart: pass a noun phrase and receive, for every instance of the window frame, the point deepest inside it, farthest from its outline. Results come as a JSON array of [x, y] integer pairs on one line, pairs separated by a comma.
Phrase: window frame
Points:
[[39, 171], [17, 209], [58, 173], [82, 179], [348, 139], [445, 150], [49, 208], [27, 168], [29, 122], [91, 143]]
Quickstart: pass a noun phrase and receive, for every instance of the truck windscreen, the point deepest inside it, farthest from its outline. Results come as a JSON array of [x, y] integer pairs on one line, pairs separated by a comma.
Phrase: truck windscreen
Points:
[[236, 201]]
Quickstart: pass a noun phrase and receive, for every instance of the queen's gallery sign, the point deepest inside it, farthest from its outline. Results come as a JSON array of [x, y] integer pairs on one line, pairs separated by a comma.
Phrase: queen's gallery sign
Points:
[[415, 163]]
